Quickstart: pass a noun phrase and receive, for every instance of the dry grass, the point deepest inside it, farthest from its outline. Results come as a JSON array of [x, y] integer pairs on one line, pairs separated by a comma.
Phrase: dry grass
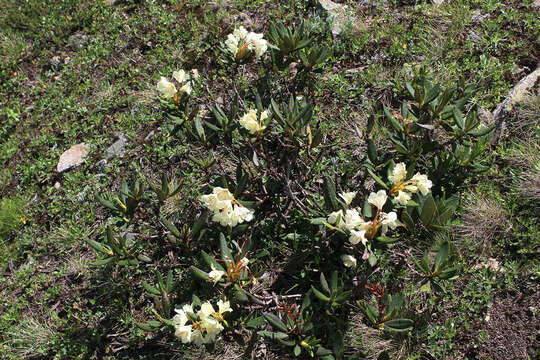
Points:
[[530, 184], [483, 221], [31, 338], [367, 342]]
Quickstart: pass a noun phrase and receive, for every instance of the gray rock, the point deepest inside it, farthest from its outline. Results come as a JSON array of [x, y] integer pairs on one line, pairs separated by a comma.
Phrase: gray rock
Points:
[[56, 61], [117, 148], [72, 157], [78, 41], [150, 135], [340, 16]]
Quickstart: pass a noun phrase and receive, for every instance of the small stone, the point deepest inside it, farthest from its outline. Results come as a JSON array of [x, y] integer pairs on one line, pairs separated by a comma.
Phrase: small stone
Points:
[[117, 148], [29, 108], [57, 185], [438, 2], [536, 3], [78, 41], [339, 15], [150, 135], [56, 61], [72, 157]]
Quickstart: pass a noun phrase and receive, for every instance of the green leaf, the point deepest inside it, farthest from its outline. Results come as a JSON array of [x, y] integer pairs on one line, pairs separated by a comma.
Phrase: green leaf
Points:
[[297, 350], [151, 289], [330, 198], [170, 226], [372, 151], [211, 261], [376, 178], [428, 211], [275, 322], [273, 335], [199, 273], [240, 294], [98, 246], [387, 240], [319, 294], [441, 257], [395, 124], [407, 220], [148, 326], [410, 89], [199, 128], [334, 282], [226, 254], [482, 132], [371, 313], [255, 322], [399, 325], [458, 118], [324, 283]]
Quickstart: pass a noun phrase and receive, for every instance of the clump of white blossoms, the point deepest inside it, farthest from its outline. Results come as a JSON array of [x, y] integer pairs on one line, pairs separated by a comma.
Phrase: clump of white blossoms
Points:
[[348, 260], [201, 327], [242, 43], [253, 123], [225, 208], [403, 188], [359, 229], [167, 89]]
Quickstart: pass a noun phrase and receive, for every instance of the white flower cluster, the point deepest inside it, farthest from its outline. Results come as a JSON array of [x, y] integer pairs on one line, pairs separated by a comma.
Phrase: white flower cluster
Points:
[[241, 43], [201, 327], [226, 210], [403, 188], [168, 90], [359, 229], [250, 122]]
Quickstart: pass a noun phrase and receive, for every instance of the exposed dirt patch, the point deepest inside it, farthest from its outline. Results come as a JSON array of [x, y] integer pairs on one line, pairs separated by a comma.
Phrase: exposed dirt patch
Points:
[[511, 328]]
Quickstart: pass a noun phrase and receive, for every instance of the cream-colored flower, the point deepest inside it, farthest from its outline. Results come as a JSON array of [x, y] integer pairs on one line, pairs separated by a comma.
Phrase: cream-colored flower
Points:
[[256, 43], [198, 339], [206, 310], [398, 174], [180, 319], [241, 42], [212, 327], [216, 275], [224, 306], [378, 199], [357, 237], [225, 209], [166, 88], [240, 33], [244, 261], [348, 260], [423, 183], [250, 122], [232, 43], [181, 76], [348, 197], [411, 188], [389, 221], [334, 217], [187, 308], [402, 197], [183, 333], [352, 219], [186, 88]]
